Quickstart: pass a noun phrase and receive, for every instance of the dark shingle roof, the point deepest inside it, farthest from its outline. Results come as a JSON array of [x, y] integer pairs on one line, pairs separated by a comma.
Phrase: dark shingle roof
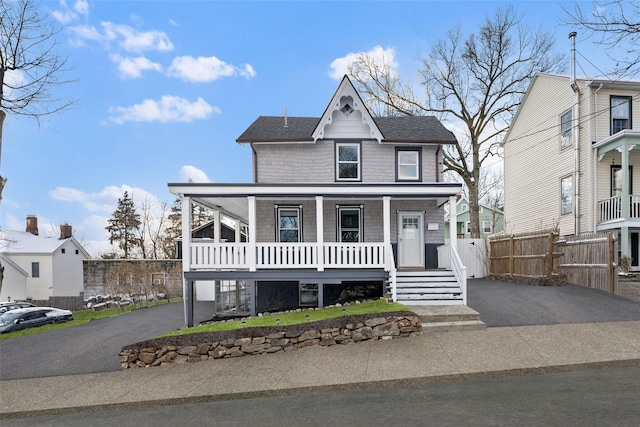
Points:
[[414, 129]]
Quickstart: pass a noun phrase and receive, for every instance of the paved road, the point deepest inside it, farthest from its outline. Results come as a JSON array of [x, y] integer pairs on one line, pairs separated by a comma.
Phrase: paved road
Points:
[[92, 347], [512, 304], [585, 398]]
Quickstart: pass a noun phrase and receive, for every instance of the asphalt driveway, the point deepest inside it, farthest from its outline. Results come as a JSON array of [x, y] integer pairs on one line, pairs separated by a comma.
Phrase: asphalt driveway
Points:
[[512, 304], [94, 347]]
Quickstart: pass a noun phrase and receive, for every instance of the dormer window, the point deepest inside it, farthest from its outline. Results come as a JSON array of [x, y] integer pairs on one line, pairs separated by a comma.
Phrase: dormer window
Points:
[[347, 161]]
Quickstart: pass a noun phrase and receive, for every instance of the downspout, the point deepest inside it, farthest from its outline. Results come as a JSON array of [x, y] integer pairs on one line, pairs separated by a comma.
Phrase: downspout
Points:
[[438, 170], [255, 163], [594, 193], [576, 134]]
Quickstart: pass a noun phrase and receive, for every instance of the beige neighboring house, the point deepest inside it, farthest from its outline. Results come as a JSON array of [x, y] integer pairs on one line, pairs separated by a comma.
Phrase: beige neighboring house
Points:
[[44, 270], [572, 159]]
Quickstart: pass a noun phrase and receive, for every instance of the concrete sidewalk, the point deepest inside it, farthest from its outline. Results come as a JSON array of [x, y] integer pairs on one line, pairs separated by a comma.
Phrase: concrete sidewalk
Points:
[[432, 357]]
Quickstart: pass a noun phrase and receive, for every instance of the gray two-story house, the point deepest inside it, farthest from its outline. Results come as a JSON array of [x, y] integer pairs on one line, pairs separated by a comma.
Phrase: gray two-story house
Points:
[[341, 206]]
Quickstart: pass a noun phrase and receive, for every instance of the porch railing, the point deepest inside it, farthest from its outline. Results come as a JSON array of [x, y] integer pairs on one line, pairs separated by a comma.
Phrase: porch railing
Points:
[[460, 271], [611, 209], [209, 255]]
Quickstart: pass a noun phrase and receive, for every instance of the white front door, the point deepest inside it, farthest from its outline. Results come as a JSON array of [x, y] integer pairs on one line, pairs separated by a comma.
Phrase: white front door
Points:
[[410, 239]]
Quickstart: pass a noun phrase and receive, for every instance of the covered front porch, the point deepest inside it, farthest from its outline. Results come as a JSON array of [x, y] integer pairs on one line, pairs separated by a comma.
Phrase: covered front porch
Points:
[[393, 224], [620, 211]]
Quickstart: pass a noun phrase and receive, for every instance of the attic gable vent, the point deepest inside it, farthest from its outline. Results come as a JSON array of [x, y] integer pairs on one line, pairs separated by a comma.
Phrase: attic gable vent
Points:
[[346, 110]]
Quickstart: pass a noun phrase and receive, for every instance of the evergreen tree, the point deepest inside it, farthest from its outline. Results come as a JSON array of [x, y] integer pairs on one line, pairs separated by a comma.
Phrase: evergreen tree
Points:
[[124, 226]]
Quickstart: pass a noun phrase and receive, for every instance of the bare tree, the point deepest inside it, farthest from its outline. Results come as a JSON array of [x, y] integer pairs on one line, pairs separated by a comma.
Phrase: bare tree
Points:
[[616, 25], [30, 67], [153, 222], [476, 81]]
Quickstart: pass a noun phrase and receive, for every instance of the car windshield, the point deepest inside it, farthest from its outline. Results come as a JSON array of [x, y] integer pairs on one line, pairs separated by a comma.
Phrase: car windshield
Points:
[[8, 317]]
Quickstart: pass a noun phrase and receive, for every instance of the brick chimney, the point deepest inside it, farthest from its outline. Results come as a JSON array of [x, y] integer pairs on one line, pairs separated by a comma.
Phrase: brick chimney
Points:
[[66, 231], [32, 224]]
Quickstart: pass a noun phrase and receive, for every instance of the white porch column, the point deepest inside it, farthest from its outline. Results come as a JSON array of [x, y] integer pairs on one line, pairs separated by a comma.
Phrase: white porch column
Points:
[[217, 227], [238, 238], [251, 239], [453, 223], [186, 251], [386, 221], [320, 231], [625, 200]]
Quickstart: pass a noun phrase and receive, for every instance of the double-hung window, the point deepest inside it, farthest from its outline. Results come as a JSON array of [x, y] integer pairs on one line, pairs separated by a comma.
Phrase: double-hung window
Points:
[[620, 113], [289, 223], [565, 130], [408, 167], [35, 269], [487, 226], [349, 223], [566, 195], [348, 164]]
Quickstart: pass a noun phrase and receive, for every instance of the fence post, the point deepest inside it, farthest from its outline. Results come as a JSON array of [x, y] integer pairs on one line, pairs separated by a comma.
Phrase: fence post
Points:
[[610, 263], [550, 256], [511, 257]]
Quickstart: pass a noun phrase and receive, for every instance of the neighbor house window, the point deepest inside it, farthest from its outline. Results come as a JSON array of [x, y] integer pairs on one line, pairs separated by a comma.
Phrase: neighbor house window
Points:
[[349, 223], [565, 130], [348, 161], [566, 195], [468, 227], [408, 167], [35, 269], [620, 113], [289, 223], [487, 226], [616, 180]]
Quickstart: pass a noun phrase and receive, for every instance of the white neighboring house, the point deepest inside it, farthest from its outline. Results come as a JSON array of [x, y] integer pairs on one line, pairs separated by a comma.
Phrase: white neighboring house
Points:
[[46, 270]]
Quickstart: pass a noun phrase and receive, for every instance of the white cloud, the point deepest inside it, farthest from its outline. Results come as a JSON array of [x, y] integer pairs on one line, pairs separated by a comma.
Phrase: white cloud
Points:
[[380, 56], [133, 40], [67, 14], [133, 67], [206, 69], [190, 173], [125, 36], [168, 109]]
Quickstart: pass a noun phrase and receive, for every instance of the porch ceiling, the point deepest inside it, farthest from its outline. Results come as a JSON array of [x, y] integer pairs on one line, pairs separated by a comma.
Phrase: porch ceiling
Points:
[[231, 199]]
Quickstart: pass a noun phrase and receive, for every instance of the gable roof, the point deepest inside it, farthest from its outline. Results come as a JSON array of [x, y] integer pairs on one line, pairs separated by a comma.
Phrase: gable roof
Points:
[[23, 242], [403, 129]]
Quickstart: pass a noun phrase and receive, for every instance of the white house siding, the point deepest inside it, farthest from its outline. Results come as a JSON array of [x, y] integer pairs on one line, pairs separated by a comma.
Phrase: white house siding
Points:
[[315, 163], [534, 162], [68, 271], [13, 283], [37, 288]]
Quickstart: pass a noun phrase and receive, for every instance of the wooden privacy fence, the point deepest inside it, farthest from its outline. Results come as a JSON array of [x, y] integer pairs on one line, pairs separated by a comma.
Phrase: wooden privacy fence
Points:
[[587, 260]]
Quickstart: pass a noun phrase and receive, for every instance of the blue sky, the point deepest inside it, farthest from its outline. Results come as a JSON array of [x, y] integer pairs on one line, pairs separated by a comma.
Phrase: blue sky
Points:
[[164, 88]]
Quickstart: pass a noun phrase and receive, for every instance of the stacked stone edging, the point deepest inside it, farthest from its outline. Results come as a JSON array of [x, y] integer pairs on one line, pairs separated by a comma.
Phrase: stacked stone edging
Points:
[[249, 341]]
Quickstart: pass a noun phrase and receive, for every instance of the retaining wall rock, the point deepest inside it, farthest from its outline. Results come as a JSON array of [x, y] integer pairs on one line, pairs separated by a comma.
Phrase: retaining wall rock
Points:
[[377, 328]]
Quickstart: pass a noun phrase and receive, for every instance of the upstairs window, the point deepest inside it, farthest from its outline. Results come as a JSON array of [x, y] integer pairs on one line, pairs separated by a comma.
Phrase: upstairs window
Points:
[[349, 224], [565, 130], [347, 161], [566, 195], [487, 226], [289, 224], [620, 113], [408, 167], [35, 269]]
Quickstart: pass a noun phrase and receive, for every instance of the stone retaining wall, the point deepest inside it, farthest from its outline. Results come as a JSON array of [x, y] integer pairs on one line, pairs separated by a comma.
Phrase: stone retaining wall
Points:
[[377, 328]]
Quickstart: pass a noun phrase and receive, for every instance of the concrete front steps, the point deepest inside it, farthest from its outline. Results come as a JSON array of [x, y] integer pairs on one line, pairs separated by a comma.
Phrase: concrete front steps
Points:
[[446, 318], [427, 287]]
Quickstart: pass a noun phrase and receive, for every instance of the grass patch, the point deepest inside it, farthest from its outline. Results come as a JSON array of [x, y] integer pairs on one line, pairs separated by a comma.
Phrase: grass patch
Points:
[[82, 317], [288, 319]]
